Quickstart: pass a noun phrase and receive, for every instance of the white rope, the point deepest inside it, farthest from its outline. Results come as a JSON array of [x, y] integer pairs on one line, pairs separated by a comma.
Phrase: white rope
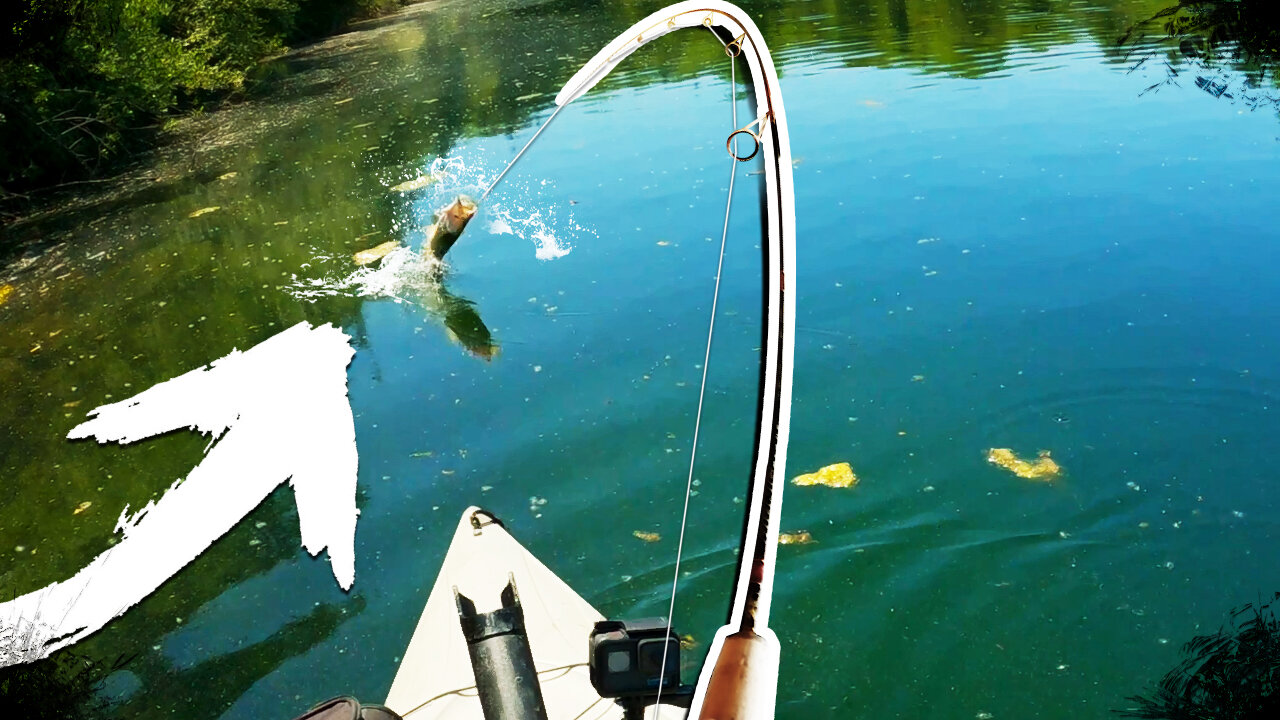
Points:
[[697, 420]]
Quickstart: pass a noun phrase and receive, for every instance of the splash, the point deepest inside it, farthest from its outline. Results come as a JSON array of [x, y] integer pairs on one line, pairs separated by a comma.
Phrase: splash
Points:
[[546, 234], [405, 273], [402, 275]]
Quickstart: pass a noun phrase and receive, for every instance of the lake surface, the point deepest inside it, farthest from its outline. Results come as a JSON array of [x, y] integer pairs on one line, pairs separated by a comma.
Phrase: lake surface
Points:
[[1007, 238]]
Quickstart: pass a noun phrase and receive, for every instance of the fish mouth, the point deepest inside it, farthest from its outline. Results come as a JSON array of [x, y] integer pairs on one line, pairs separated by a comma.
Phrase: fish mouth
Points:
[[463, 208]]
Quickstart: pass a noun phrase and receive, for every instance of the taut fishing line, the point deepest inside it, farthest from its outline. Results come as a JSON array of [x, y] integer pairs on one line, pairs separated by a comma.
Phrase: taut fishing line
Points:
[[702, 388]]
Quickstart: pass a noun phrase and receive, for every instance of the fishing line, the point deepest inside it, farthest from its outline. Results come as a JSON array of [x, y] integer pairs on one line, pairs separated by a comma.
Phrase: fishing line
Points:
[[697, 418], [498, 179]]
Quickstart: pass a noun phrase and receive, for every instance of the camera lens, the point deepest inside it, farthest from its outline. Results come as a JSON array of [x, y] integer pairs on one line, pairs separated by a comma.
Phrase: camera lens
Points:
[[649, 657]]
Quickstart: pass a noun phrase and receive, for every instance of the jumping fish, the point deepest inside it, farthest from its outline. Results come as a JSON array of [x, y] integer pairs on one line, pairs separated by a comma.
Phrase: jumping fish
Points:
[[450, 222]]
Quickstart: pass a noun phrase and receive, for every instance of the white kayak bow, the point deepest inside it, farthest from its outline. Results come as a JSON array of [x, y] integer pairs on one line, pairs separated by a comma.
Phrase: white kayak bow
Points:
[[739, 680]]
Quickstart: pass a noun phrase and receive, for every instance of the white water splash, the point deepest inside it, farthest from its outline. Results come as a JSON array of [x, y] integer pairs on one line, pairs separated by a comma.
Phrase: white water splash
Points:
[[406, 273], [546, 234], [401, 275]]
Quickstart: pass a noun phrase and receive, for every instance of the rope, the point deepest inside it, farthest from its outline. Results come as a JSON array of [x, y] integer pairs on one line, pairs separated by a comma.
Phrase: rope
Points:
[[697, 420], [498, 179]]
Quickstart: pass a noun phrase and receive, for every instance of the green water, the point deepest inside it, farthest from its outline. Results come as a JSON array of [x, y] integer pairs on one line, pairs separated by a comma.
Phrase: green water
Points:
[[1005, 240]]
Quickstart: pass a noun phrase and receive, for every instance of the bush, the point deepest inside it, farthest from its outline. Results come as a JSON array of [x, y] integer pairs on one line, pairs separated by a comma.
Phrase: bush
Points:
[[85, 82]]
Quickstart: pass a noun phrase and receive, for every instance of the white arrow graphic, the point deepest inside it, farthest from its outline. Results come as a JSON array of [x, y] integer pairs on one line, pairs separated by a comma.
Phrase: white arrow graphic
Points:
[[276, 412]]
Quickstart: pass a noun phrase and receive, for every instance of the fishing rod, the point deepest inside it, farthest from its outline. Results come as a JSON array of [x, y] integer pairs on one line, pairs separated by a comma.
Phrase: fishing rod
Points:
[[739, 678]]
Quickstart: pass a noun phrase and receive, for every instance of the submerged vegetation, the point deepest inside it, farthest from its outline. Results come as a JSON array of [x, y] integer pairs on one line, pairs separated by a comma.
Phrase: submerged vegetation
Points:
[[83, 82]]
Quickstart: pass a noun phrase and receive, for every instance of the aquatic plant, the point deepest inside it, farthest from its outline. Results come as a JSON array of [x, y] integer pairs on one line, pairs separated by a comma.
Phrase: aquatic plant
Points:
[[1233, 674]]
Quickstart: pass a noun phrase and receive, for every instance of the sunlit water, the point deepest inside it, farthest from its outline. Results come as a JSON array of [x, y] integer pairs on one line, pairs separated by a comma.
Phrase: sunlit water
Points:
[[1003, 242]]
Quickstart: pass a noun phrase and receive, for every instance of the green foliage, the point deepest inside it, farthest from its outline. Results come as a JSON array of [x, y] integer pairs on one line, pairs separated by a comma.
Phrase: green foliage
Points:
[[83, 82]]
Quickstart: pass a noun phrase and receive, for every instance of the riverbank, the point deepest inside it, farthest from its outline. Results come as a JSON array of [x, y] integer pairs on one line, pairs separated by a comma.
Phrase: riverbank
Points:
[[89, 99]]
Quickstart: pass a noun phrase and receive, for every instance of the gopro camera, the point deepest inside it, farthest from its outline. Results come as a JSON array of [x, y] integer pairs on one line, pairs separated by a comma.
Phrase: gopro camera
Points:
[[626, 657]]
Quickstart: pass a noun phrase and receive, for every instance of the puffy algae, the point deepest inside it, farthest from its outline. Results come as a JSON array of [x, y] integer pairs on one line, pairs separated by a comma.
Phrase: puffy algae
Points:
[[800, 537], [415, 184], [647, 536], [839, 475], [1042, 468], [375, 253]]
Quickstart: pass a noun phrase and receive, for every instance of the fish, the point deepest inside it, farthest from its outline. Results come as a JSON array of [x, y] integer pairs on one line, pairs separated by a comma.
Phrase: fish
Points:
[[450, 222], [649, 537]]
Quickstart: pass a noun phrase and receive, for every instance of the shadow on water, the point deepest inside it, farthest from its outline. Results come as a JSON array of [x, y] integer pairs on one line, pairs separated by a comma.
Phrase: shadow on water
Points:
[[63, 686], [1232, 674], [1228, 47], [164, 689]]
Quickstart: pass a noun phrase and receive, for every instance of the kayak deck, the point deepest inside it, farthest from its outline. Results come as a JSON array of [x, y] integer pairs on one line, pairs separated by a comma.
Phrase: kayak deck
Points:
[[435, 679]]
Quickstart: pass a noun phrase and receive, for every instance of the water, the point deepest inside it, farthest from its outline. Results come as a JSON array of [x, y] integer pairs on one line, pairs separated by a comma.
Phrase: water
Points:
[[988, 197]]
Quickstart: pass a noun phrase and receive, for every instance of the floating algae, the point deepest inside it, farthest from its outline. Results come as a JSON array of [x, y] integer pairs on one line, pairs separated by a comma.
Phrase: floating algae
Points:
[[800, 537], [417, 183], [1042, 468], [375, 253], [647, 536], [839, 475]]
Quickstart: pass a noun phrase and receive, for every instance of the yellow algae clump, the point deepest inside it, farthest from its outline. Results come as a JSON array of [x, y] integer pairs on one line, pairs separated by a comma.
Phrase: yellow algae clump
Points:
[[375, 253], [647, 536], [800, 537], [839, 475], [1042, 468], [415, 184], [5, 292]]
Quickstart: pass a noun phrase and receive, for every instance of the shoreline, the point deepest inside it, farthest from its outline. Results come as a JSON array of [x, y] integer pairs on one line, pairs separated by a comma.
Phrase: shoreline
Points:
[[154, 170]]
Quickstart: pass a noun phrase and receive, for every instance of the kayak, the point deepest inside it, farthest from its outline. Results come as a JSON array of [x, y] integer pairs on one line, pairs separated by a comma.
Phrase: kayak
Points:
[[435, 678]]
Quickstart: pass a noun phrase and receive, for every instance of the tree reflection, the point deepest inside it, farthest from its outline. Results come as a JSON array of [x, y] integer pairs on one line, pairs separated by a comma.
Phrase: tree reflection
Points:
[[1230, 47], [1230, 675]]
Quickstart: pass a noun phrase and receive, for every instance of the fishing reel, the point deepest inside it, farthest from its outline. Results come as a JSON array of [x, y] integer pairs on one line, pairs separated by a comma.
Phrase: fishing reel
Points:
[[625, 658]]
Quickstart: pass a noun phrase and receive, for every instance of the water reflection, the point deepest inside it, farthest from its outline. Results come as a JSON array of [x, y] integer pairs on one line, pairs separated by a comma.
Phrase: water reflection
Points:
[[1227, 674], [1230, 48], [962, 161]]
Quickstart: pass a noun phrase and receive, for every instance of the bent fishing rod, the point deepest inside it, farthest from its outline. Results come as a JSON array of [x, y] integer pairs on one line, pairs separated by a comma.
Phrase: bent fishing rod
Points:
[[739, 679]]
